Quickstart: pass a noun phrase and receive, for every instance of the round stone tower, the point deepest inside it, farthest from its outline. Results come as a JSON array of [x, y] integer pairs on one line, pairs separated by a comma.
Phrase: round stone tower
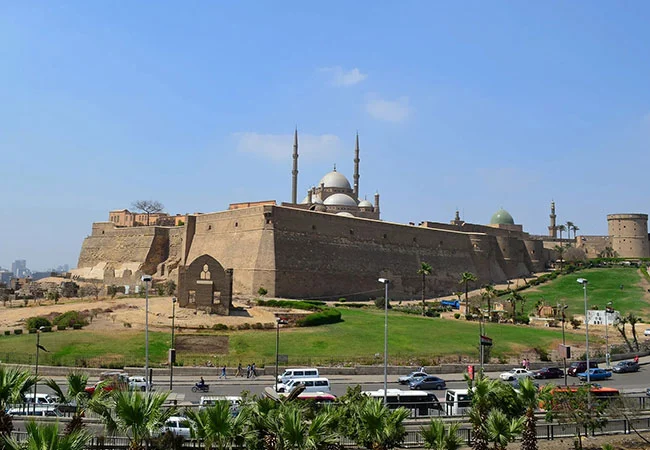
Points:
[[628, 234]]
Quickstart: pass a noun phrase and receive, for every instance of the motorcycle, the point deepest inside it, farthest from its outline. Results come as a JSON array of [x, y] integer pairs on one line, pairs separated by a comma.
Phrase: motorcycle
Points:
[[198, 387]]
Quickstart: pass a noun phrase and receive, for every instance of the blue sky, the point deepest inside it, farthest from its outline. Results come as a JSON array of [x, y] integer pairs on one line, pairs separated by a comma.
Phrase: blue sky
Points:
[[468, 105]]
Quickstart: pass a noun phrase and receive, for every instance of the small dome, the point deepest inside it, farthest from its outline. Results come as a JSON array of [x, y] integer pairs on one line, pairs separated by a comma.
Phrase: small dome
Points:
[[340, 200], [365, 204], [344, 214], [315, 199], [502, 217], [335, 180]]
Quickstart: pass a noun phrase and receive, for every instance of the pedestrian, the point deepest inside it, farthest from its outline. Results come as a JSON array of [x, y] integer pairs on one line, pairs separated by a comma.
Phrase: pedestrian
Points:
[[421, 369], [238, 373], [253, 372], [248, 371], [223, 372], [527, 366], [636, 358], [523, 363]]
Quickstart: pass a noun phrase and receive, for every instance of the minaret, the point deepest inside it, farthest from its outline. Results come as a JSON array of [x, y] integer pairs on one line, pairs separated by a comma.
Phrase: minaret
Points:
[[377, 204], [356, 169], [552, 229], [294, 172]]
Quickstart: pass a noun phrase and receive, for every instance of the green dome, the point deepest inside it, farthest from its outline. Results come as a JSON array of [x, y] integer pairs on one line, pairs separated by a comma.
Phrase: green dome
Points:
[[502, 217]]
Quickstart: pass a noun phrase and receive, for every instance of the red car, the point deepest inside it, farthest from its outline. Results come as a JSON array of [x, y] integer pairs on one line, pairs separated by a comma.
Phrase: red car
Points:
[[548, 372]]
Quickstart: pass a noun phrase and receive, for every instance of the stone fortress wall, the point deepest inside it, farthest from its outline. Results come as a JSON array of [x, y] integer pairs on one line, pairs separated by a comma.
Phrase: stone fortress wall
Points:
[[296, 253], [629, 235]]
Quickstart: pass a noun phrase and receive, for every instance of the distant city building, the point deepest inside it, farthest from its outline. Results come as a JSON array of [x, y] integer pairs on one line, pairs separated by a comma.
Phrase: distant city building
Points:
[[19, 268], [126, 218]]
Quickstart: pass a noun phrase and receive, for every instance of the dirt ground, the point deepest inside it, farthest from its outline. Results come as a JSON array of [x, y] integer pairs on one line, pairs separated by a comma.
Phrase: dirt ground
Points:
[[121, 313]]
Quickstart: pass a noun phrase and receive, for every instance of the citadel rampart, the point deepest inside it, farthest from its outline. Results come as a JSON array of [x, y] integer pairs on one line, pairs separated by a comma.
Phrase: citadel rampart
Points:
[[629, 235]]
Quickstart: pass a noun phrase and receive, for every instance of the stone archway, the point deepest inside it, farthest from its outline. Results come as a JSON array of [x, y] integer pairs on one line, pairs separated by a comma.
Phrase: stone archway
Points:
[[204, 284]]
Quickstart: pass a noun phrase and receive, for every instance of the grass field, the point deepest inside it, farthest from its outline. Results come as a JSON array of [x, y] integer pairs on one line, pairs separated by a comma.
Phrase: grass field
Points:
[[355, 340], [603, 286]]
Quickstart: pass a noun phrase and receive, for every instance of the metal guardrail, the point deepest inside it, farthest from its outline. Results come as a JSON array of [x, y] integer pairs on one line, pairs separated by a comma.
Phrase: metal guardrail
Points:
[[413, 438]]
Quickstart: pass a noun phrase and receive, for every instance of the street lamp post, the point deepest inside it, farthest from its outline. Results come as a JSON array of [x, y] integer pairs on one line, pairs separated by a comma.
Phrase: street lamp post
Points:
[[279, 321], [146, 279], [38, 347], [564, 307], [608, 308], [584, 282], [172, 350], [385, 282]]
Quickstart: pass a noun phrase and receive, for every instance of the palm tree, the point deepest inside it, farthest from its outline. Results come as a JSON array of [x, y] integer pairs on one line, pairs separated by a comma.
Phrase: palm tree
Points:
[[569, 227], [217, 426], [74, 394], [437, 436], [46, 437], [292, 430], [133, 414], [465, 278], [561, 229], [514, 297], [374, 426], [501, 430], [530, 397], [14, 384], [424, 270], [575, 228], [489, 295]]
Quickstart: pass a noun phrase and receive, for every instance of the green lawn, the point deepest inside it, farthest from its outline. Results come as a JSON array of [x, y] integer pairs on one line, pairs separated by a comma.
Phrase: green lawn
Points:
[[359, 339], [412, 339], [603, 286]]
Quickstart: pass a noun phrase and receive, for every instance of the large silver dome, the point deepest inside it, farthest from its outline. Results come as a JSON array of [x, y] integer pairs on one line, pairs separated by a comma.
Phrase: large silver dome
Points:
[[365, 204], [335, 179], [339, 199], [315, 199]]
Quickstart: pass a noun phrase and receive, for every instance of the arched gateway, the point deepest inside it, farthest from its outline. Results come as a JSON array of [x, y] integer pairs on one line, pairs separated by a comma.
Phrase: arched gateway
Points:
[[205, 285]]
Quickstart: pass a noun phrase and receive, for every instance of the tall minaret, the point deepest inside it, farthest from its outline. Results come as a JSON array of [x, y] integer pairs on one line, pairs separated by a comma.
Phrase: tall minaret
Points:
[[356, 169], [552, 229], [294, 172]]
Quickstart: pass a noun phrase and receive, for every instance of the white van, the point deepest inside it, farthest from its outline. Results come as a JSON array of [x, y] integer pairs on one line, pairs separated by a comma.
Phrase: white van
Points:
[[457, 402], [289, 374], [311, 385], [38, 410], [41, 399], [211, 400]]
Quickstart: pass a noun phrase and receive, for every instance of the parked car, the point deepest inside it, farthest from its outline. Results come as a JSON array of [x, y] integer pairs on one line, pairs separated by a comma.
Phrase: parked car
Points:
[[577, 367], [178, 425], [548, 372], [428, 382], [515, 383], [595, 375], [646, 332], [647, 392], [626, 366], [138, 384], [516, 373], [406, 379]]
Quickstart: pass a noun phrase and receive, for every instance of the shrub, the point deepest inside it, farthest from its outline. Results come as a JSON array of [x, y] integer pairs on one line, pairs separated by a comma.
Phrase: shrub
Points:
[[127, 325], [219, 327], [342, 300], [244, 326], [7, 332], [350, 305], [38, 322], [320, 318], [71, 318], [18, 331], [456, 315], [522, 318], [46, 329], [160, 289], [262, 291], [309, 305], [77, 326], [60, 327], [258, 326], [32, 331]]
